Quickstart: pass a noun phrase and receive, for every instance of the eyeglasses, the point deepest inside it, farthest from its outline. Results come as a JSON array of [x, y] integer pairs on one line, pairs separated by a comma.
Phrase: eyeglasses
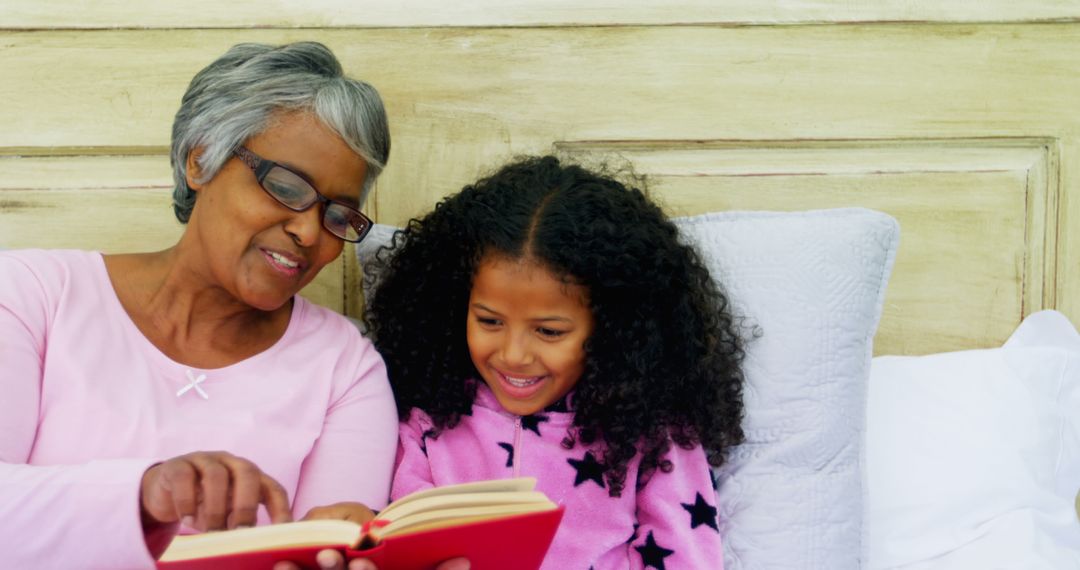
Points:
[[296, 193]]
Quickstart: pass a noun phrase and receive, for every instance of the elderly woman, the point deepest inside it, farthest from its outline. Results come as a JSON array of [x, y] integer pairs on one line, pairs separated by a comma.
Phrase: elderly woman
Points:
[[122, 372]]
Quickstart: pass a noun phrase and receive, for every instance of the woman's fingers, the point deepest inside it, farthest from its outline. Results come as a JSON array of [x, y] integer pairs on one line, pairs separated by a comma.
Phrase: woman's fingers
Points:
[[365, 564], [180, 479], [276, 500], [175, 489], [214, 481], [454, 564], [246, 492], [326, 559], [330, 560], [216, 489], [355, 512]]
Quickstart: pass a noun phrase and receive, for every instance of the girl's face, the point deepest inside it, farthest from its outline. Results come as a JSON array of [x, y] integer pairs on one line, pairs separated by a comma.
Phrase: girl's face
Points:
[[526, 332]]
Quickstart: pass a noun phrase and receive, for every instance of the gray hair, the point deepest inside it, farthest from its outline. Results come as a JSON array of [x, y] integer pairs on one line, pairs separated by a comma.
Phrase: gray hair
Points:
[[234, 98]]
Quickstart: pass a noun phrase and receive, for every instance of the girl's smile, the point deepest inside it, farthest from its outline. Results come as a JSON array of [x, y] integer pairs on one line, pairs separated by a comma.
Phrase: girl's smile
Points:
[[521, 387], [526, 332]]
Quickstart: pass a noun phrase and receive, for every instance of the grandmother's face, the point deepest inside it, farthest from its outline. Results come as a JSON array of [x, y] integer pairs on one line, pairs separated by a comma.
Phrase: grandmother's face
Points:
[[261, 252]]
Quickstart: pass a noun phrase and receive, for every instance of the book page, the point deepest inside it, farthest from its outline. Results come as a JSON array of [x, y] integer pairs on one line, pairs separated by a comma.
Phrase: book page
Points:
[[425, 520], [284, 535], [492, 486], [440, 506], [459, 500]]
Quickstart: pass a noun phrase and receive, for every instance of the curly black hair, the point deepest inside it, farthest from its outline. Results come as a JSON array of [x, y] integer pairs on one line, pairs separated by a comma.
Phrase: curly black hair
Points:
[[663, 363]]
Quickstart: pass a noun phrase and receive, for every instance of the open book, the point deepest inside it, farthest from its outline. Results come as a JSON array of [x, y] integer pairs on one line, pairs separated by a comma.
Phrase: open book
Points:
[[495, 524]]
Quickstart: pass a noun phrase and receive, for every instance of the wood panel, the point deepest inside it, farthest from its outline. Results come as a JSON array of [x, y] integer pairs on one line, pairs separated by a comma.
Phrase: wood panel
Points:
[[978, 218], [113, 204], [463, 100], [594, 84], [46, 14]]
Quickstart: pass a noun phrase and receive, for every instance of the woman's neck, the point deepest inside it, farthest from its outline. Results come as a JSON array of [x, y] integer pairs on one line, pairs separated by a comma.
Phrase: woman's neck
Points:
[[186, 315]]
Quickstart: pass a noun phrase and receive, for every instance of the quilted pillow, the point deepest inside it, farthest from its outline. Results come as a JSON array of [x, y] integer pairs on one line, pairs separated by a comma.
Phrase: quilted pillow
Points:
[[812, 285]]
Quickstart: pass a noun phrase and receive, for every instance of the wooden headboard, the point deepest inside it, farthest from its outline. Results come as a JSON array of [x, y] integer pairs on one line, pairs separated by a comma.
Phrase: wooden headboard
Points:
[[963, 123]]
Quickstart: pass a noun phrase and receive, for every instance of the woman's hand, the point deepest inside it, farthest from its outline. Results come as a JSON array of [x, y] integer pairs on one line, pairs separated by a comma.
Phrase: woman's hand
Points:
[[333, 560], [354, 512], [210, 490]]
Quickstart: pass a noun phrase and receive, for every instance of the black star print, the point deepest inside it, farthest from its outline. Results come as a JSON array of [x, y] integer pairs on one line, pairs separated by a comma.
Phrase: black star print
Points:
[[653, 554], [423, 440], [532, 423], [560, 405], [701, 513], [588, 468], [509, 449]]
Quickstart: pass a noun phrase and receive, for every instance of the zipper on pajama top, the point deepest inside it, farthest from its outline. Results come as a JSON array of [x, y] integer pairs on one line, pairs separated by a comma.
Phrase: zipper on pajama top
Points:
[[517, 447]]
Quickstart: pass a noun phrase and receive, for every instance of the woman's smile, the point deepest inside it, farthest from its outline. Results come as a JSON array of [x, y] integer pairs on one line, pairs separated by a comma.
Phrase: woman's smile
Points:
[[285, 263]]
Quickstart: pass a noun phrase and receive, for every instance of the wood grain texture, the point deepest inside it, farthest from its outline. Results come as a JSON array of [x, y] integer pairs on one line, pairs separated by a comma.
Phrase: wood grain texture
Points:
[[970, 228], [830, 115], [51, 14]]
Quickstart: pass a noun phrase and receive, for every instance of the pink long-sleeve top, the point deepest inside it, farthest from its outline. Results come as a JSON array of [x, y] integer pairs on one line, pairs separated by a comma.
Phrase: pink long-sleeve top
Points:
[[87, 404], [667, 520]]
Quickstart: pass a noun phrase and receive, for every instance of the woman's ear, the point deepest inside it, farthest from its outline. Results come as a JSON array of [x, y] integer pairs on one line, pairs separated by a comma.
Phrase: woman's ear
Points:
[[193, 170]]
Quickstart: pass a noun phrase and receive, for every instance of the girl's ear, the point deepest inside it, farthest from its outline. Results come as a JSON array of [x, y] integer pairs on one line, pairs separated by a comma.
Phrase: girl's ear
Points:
[[193, 170]]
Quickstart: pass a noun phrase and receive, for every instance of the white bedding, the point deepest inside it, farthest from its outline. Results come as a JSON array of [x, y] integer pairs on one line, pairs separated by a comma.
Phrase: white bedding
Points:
[[974, 456]]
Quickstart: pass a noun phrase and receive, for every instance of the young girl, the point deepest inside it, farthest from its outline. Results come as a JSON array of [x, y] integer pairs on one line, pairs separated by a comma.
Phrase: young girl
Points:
[[548, 321]]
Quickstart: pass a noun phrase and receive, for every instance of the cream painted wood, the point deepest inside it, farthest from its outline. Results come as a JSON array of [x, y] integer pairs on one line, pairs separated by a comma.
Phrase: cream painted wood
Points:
[[113, 204], [594, 84], [975, 226], [1068, 244], [51, 14], [785, 98]]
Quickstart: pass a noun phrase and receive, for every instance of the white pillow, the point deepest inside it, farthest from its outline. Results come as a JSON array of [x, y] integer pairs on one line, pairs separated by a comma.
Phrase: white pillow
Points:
[[974, 456], [813, 284]]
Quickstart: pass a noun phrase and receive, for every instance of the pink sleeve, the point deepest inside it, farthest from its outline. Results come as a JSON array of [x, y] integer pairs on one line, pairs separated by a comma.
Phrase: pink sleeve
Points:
[[24, 314], [676, 514], [354, 456], [62, 516], [413, 471]]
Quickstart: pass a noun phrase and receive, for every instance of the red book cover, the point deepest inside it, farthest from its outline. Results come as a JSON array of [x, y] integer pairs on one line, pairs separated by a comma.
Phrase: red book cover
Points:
[[516, 541]]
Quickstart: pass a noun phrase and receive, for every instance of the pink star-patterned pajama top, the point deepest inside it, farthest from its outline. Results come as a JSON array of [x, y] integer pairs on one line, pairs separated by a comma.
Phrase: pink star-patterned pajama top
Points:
[[667, 522]]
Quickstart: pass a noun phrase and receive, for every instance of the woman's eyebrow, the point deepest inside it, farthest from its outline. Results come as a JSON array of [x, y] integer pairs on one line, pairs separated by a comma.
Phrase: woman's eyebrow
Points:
[[347, 199], [294, 168]]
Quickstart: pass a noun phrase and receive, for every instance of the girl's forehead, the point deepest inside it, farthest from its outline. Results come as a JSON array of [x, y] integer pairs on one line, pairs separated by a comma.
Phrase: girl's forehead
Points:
[[524, 266], [497, 274]]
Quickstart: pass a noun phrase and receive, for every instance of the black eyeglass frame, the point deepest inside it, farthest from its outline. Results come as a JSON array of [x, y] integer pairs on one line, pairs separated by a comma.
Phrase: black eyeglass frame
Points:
[[261, 167]]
